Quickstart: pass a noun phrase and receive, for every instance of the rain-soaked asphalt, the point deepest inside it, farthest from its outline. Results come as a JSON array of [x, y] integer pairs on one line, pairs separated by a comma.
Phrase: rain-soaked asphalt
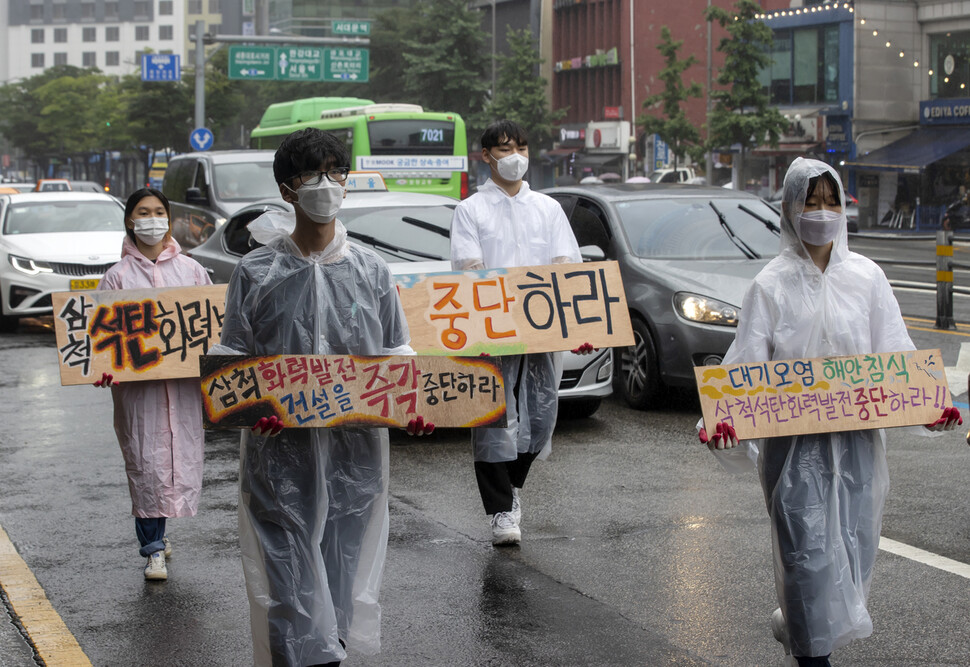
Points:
[[637, 549]]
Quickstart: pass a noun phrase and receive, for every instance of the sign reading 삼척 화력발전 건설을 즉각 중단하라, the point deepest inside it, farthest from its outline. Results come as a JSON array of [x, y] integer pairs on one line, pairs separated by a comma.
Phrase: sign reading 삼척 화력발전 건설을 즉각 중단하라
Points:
[[825, 394]]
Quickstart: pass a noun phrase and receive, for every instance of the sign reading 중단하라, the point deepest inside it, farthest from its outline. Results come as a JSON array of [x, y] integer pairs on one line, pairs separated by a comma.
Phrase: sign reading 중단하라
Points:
[[144, 334], [825, 394], [314, 391], [516, 310]]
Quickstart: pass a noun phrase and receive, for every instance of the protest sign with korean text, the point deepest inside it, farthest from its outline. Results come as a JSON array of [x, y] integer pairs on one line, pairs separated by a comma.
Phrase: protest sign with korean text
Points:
[[140, 334], [825, 394], [516, 310], [314, 391]]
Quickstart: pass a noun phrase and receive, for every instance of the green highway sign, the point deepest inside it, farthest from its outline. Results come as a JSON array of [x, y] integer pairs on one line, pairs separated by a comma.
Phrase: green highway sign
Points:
[[350, 27], [299, 63], [343, 64], [252, 62]]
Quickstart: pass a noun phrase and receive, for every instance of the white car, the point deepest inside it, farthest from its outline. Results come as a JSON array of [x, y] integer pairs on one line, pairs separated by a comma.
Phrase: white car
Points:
[[412, 232], [54, 242]]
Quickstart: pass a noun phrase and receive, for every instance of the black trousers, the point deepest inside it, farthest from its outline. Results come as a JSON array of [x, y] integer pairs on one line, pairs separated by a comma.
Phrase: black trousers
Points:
[[495, 481]]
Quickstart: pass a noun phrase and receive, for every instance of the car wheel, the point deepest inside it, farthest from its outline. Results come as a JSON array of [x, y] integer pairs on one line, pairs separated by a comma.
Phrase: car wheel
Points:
[[637, 379], [579, 409]]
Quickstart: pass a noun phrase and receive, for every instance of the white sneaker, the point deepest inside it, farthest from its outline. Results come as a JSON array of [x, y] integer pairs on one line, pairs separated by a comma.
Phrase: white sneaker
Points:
[[168, 548], [516, 506], [505, 530], [155, 570], [780, 629]]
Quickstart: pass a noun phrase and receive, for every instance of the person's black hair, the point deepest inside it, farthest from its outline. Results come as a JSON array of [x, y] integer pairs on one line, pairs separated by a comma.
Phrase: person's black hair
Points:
[[502, 131], [136, 197], [305, 150], [833, 184]]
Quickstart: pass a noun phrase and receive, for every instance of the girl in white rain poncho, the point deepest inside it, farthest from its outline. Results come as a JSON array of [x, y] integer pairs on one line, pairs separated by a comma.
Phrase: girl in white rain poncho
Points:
[[825, 491]]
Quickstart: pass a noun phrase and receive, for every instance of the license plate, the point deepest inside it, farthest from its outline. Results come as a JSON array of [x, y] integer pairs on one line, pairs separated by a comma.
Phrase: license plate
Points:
[[90, 283]]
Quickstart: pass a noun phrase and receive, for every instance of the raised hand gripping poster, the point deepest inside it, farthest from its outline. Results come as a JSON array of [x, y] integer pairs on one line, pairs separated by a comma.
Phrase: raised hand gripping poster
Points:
[[142, 334], [825, 394], [516, 310], [313, 391]]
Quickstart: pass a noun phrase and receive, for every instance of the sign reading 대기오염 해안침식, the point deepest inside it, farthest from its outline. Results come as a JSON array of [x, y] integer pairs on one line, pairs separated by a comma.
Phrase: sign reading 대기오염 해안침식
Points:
[[315, 391], [825, 394]]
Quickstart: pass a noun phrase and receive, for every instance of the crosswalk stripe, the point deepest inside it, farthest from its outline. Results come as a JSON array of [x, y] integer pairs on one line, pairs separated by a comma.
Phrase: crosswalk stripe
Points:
[[925, 557]]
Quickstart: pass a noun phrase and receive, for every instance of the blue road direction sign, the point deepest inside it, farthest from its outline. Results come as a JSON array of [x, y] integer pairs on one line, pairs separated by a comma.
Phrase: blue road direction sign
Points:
[[343, 64], [160, 67], [350, 27], [201, 139], [252, 62]]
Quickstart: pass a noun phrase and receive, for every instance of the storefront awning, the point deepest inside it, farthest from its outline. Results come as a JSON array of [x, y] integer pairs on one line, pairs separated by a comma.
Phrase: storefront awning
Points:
[[915, 151], [786, 149]]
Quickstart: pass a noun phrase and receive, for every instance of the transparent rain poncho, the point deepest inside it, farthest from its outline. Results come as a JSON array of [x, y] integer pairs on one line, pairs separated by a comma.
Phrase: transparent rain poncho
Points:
[[313, 517], [824, 492], [492, 230]]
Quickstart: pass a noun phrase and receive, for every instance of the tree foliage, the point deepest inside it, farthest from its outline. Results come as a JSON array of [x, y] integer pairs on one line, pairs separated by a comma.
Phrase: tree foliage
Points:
[[673, 126], [520, 93], [742, 112]]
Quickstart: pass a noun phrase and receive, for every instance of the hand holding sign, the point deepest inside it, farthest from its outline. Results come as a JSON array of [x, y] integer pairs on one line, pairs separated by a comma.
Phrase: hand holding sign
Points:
[[949, 420], [724, 437]]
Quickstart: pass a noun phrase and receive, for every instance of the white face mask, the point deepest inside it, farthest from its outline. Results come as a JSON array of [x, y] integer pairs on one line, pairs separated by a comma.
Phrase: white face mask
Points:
[[150, 230], [511, 167], [322, 201], [820, 227]]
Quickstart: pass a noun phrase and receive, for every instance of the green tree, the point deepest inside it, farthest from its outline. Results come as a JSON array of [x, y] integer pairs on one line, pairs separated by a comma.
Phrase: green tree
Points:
[[520, 92], [674, 128], [742, 113]]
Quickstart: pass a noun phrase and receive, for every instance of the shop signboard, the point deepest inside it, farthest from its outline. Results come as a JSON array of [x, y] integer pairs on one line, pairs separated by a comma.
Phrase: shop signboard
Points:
[[945, 112], [838, 134]]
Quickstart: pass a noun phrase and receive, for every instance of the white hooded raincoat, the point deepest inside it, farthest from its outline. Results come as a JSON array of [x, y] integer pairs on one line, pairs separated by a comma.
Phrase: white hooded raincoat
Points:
[[824, 492], [159, 422]]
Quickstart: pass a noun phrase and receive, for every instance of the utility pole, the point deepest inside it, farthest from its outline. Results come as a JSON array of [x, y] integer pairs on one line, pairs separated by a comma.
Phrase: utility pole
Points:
[[199, 74], [710, 152]]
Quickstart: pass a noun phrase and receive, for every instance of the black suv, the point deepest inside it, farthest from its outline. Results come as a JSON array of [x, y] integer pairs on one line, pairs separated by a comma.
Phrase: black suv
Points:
[[206, 188]]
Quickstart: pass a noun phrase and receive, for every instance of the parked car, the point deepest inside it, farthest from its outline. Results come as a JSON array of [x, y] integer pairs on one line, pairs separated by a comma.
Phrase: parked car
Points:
[[205, 188], [411, 231], [687, 254], [19, 186], [52, 185], [54, 242], [679, 175]]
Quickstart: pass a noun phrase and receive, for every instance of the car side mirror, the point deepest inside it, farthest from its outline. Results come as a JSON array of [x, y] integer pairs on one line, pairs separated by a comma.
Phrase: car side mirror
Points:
[[195, 196], [592, 253]]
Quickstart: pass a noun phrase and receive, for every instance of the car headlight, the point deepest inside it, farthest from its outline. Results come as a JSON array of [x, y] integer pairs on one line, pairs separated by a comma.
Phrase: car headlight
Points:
[[29, 266], [705, 309]]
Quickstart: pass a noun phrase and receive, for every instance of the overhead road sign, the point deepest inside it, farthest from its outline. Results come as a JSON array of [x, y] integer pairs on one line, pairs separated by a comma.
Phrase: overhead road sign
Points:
[[346, 65], [350, 27], [160, 67], [299, 63]]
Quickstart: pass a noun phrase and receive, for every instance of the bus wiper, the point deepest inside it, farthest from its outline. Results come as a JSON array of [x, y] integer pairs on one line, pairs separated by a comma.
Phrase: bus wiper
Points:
[[742, 246], [435, 229], [764, 221], [390, 247]]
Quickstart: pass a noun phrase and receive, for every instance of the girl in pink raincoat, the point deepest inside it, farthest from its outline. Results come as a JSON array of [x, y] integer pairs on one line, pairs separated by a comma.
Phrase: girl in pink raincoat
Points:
[[158, 422]]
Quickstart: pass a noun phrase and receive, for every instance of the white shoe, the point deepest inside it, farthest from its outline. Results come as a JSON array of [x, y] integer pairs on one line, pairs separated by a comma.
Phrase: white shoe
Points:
[[780, 629], [516, 506], [168, 548], [505, 530], [155, 570]]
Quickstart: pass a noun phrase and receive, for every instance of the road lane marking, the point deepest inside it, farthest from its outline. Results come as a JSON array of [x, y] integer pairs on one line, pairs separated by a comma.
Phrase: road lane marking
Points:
[[46, 630], [941, 331], [925, 557]]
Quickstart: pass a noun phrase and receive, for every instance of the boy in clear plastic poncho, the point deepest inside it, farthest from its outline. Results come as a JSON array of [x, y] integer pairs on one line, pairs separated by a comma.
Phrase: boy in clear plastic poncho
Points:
[[313, 516], [825, 491]]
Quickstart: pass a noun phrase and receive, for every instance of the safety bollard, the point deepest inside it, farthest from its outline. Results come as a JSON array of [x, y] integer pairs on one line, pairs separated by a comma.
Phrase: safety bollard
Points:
[[944, 280]]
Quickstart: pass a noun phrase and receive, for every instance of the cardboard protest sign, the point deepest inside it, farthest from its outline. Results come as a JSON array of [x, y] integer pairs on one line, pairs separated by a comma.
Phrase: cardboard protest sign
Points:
[[143, 334], [313, 391], [826, 394], [516, 310]]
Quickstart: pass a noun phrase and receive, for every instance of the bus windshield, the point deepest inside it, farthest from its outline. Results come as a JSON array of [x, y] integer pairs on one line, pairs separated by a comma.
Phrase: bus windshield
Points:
[[403, 137]]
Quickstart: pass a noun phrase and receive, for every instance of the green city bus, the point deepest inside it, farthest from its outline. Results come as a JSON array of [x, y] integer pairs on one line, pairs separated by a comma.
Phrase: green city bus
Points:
[[413, 149]]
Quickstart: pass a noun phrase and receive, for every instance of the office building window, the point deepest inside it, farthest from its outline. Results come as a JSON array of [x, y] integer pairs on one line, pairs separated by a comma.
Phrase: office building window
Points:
[[949, 70], [805, 66], [141, 33], [88, 34], [37, 60], [165, 32], [112, 33], [59, 11], [164, 7], [215, 28], [89, 59], [142, 9], [194, 6], [60, 59], [112, 59], [60, 35], [37, 36], [111, 11], [87, 11], [37, 12], [213, 6], [190, 56]]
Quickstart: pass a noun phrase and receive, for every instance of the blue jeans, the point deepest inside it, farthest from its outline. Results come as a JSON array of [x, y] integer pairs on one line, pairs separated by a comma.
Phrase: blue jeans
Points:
[[150, 533]]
